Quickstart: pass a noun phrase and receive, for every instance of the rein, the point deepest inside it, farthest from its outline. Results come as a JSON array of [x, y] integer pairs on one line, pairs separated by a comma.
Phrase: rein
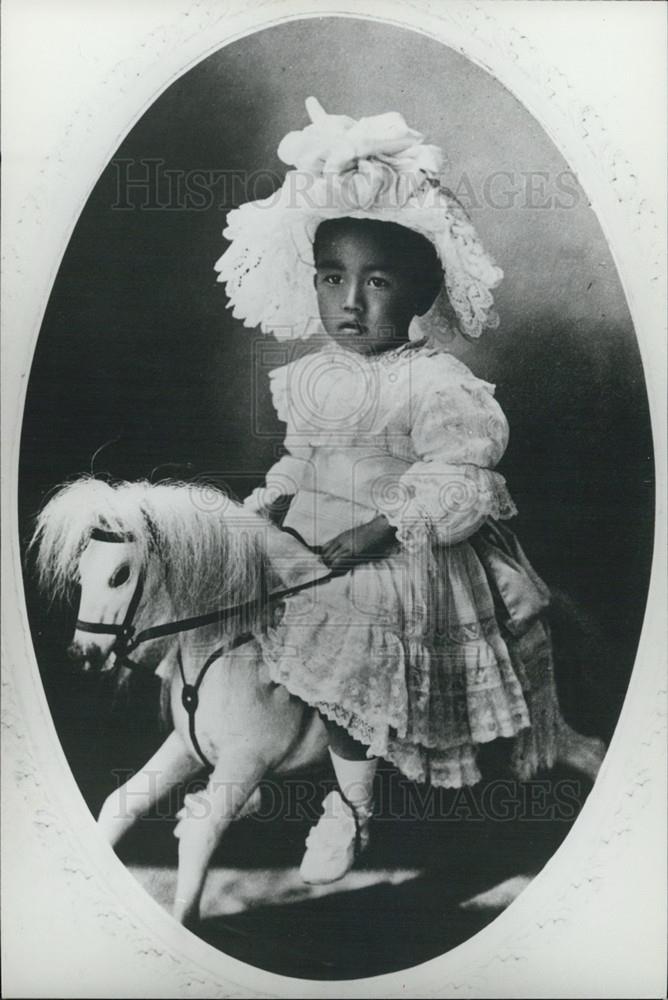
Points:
[[127, 640]]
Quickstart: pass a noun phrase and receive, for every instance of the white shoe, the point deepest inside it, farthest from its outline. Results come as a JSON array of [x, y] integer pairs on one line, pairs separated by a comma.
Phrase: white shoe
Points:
[[335, 842]]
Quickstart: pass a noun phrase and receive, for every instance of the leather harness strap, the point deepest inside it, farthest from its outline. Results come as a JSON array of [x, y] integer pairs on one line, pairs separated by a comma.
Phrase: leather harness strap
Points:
[[127, 641]]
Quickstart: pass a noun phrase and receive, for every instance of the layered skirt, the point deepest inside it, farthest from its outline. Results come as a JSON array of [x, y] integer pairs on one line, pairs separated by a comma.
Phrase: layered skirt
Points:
[[426, 655]]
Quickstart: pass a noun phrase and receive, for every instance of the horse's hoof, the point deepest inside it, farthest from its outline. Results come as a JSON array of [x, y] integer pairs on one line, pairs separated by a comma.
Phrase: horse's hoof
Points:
[[500, 896], [189, 918], [192, 923]]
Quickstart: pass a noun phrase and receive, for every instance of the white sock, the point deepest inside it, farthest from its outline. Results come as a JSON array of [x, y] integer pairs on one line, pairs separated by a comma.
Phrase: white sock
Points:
[[355, 781]]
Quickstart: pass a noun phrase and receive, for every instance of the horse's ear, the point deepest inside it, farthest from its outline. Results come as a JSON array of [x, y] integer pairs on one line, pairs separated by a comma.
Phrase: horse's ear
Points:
[[96, 454]]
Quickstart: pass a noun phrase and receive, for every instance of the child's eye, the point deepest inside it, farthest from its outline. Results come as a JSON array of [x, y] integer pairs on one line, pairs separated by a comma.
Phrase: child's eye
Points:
[[376, 282], [331, 279]]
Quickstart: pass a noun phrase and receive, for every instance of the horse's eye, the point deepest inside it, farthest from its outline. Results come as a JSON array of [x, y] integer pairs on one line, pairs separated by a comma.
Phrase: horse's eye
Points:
[[121, 576]]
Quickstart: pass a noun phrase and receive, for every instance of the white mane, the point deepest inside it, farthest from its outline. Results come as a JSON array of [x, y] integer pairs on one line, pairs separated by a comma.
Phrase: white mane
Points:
[[210, 547]]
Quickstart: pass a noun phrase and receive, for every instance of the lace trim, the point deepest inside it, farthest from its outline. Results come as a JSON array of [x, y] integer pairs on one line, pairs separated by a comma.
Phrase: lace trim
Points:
[[268, 266], [449, 505], [425, 689], [534, 748], [333, 395], [414, 735]]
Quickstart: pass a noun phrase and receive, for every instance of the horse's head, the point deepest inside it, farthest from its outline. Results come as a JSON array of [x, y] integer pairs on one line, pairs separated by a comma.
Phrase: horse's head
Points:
[[162, 551], [118, 588], [97, 537]]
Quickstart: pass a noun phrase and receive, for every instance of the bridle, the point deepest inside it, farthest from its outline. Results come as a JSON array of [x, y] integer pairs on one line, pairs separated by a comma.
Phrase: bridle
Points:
[[128, 639]]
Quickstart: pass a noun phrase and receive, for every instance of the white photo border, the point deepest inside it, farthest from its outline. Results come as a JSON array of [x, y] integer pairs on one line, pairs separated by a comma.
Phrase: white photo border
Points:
[[77, 77]]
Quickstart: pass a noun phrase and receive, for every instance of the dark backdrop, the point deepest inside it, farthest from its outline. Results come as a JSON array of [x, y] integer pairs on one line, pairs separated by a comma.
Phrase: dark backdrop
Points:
[[137, 347]]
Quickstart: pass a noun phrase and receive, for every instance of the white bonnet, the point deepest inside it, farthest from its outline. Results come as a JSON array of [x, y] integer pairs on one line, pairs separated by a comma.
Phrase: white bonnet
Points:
[[373, 168]]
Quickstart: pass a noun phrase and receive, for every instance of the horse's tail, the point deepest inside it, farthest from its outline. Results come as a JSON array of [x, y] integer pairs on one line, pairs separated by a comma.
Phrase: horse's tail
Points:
[[584, 662]]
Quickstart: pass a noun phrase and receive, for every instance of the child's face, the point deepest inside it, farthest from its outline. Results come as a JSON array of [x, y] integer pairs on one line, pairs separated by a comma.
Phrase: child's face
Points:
[[367, 291]]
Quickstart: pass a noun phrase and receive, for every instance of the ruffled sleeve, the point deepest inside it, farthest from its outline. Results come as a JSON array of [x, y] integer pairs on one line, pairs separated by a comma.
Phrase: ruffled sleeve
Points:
[[459, 433], [285, 475]]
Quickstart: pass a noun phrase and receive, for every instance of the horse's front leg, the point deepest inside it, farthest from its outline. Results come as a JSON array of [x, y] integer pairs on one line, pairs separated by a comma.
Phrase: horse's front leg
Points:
[[202, 821], [172, 764]]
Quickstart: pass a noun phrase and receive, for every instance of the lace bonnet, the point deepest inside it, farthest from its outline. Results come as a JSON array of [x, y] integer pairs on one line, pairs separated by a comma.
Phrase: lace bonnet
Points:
[[374, 168]]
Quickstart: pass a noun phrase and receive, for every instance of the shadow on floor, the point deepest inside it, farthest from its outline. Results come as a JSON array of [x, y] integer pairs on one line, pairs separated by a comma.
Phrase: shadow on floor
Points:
[[439, 849]]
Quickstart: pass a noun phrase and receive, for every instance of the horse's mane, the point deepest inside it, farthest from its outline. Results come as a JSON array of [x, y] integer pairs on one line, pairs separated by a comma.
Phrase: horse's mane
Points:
[[210, 546]]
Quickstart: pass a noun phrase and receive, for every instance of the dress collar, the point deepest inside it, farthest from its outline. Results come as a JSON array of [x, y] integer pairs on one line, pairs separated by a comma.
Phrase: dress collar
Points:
[[385, 358]]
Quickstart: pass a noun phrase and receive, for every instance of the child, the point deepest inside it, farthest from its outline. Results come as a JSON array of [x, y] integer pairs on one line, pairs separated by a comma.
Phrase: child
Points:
[[430, 641]]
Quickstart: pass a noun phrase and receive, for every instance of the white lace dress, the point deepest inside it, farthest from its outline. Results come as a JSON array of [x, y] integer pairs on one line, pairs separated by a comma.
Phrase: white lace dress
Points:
[[407, 651]]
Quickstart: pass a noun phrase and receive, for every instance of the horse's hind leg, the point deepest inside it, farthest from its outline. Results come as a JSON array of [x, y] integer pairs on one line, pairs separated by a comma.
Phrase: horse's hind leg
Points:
[[203, 820], [172, 764], [581, 753]]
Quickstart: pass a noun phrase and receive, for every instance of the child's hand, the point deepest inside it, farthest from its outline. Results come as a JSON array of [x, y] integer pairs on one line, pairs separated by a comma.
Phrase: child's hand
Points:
[[368, 541]]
